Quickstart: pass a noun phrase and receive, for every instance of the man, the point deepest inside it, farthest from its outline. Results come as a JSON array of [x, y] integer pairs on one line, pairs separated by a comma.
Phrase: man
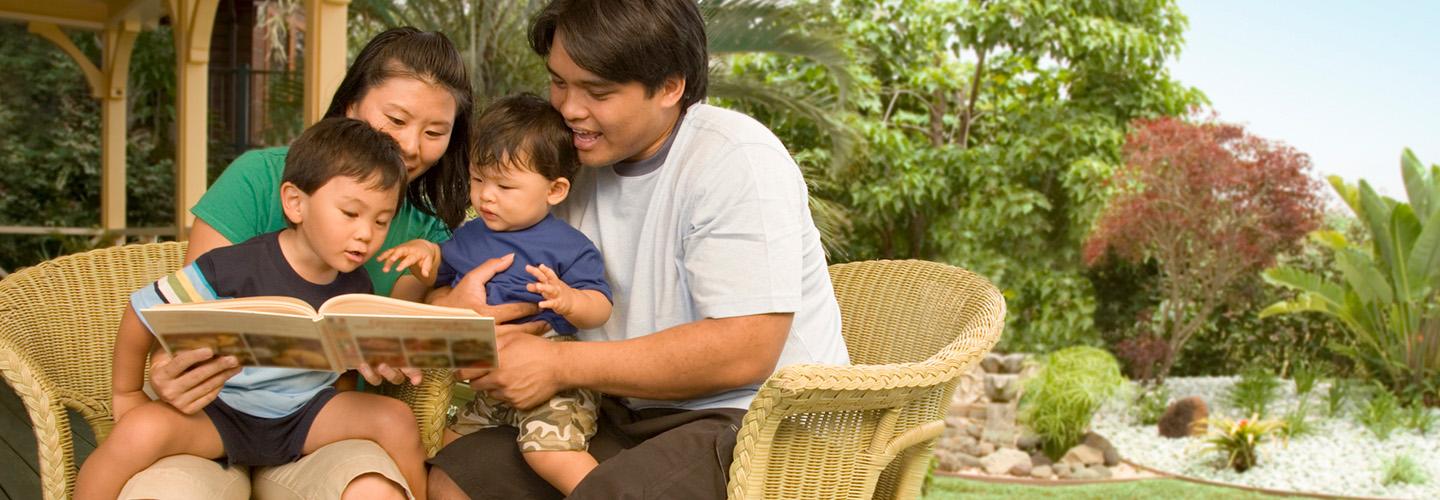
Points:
[[715, 263]]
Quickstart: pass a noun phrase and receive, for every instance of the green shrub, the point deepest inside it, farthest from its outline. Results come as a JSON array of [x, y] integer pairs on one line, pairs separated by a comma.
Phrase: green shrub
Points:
[[1253, 393], [1389, 286], [1403, 469], [1061, 399], [1335, 396], [1420, 418], [1381, 414], [1151, 405], [1297, 421]]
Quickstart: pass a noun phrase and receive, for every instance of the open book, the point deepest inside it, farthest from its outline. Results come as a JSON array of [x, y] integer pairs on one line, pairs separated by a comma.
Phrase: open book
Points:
[[346, 331]]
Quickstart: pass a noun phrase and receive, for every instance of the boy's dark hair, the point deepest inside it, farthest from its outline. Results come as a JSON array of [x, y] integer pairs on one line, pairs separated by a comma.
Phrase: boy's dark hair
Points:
[[524, 125], [624, 41], [345, 147], [428, 57]]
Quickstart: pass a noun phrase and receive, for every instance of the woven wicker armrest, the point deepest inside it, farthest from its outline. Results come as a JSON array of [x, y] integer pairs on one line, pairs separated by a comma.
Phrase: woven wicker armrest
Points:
[[430, 401]]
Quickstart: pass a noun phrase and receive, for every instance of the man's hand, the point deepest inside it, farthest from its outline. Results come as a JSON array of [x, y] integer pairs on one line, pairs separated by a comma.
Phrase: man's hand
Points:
[[528, 371], [559, 297], [190, 379], [469, 293], [384, 373]]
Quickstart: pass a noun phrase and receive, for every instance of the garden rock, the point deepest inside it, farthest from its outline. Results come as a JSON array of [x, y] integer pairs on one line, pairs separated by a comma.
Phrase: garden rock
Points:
[[1002, 388], [956, 461], [1014, 363], [1112, 456], [1041, 472], [1082, 455], [986, 449], [1039, 458], [1021, 469], [991, 363], [973, 430], [1002, 461], [1028, 441], [1086, 473], [1001, 437], [1062, 470], [1180, 418]]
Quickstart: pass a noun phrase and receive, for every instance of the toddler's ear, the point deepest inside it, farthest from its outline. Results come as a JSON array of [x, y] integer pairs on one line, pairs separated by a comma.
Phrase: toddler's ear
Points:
[[559, 189]]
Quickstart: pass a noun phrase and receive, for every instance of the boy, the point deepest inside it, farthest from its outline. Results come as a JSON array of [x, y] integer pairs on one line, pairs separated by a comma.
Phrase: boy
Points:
[[343, 182], [523, 159]]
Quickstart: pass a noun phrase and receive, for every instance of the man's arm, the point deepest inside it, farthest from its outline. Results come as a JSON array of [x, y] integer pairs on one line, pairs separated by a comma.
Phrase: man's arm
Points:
[[686, 361]]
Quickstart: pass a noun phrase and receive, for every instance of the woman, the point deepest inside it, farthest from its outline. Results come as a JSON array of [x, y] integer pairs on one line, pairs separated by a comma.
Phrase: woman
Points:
[[409, 84]]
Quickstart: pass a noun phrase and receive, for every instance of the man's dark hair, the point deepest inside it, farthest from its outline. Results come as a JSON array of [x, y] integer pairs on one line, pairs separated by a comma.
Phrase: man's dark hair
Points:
[[345, 147], [625, 41], [428, 57], [524, 125]]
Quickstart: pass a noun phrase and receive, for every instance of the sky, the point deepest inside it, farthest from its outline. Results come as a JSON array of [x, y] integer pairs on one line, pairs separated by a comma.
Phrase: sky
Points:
[[1351, 83]]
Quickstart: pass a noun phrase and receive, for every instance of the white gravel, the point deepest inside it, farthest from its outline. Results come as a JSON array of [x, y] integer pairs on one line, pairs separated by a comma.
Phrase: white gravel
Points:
[[1341, 457]]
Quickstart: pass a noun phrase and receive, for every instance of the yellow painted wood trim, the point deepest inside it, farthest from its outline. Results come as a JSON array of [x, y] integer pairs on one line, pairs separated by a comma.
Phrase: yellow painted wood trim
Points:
[[51, 32], [58, 12], [119, 46]]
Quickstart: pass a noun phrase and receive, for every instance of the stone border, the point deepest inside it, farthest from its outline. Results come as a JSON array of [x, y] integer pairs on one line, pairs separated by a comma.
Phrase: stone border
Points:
[[1266, 491], [1027, 481]]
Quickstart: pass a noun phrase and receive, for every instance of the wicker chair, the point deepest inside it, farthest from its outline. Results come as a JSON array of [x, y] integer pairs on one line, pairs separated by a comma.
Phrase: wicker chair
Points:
[[867, 430], [57, 332]]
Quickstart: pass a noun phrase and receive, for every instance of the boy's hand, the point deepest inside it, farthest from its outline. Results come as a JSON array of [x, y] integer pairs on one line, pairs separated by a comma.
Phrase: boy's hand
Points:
[[422, 257], [559, 297]]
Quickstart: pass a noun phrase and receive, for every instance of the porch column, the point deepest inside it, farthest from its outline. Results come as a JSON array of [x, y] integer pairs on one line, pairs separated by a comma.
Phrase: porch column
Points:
[[108, 84], [191, 22], [324, 54]]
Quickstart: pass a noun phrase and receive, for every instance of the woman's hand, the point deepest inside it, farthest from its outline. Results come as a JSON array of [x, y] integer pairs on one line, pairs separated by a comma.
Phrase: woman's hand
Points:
[[190, 379]]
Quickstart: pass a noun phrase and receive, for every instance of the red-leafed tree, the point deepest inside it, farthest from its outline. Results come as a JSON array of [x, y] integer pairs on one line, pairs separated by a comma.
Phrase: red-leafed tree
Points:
[[1211, 205]]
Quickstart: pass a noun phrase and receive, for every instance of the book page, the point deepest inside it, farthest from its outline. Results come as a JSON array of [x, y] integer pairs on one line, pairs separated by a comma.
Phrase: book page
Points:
[[415, 341], [255, 338], [270, 303], [359, 303]]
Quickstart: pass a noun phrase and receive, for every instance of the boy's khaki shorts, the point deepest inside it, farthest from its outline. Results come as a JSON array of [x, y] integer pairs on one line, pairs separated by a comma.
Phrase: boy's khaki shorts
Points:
[[320, 475], [565, 423]]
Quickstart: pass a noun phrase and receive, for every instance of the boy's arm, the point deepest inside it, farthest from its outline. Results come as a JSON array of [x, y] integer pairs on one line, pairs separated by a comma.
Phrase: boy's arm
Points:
[[127, 376]]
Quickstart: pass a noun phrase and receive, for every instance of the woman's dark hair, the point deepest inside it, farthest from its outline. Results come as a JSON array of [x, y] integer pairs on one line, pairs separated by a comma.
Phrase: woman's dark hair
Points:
[[345, 147], [429, 57], [625, 41], [524, 125]]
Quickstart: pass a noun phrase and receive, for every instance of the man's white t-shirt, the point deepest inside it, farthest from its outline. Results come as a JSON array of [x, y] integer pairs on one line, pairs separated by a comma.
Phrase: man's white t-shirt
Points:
[[718, 226]]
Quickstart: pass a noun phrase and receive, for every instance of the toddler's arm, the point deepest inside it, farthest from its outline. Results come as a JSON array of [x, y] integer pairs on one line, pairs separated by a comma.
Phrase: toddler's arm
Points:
[[582, 308], [422, 257]]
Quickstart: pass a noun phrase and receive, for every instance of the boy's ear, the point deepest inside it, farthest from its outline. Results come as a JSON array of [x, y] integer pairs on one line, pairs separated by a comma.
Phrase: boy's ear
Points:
[[672, 90], [559, 189], [292, 200]]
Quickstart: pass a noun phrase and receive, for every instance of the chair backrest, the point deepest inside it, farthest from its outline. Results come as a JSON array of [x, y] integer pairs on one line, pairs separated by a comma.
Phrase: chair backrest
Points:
[[62, 316], [912, 329]]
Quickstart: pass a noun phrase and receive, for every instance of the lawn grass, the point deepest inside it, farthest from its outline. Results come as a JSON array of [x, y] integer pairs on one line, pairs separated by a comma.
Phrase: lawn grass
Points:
[[944, 488]]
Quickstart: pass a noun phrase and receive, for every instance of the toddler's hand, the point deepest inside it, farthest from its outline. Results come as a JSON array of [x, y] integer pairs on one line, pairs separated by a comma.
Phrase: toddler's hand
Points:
[[559, 297], [421, 256]]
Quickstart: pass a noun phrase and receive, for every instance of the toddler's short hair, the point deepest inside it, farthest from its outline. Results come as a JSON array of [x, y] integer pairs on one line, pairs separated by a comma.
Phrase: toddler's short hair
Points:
[[345, 147], [524, 125]]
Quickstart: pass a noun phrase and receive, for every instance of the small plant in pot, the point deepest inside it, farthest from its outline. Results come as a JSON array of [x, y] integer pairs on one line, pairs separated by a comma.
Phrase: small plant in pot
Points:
[[1062, 398], [1240, 440]]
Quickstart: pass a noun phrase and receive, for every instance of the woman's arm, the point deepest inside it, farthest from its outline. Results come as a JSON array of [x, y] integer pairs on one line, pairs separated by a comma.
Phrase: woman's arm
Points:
[[203, 238]]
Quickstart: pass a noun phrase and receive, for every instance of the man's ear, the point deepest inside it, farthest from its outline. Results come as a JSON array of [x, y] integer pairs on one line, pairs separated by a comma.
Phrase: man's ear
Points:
[[672, 90], [292, 200], [559, 190]]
